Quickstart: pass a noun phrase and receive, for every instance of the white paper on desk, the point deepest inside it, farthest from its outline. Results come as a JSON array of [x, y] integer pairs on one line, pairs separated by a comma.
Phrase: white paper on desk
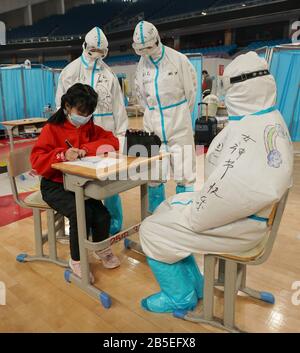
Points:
[[95, 162]]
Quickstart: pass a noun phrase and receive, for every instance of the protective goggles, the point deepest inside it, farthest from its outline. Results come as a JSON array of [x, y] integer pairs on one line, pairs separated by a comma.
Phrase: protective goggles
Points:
[[146, 46], [226, 82], [95, 52]]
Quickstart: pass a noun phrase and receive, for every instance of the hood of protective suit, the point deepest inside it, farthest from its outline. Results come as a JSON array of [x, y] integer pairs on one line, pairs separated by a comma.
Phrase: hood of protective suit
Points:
[[95, 39], [254, 94], [145, 36]]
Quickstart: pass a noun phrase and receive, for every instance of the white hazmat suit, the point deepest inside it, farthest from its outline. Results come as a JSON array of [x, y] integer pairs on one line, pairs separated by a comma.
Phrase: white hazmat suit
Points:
[[166, 85], [110, 113], [248, 168]]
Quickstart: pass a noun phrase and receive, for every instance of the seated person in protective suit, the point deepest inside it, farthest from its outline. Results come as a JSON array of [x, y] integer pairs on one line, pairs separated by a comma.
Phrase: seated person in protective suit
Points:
[[248, 168]]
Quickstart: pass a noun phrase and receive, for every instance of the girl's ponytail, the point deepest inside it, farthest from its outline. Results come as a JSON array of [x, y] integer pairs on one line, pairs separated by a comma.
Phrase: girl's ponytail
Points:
[[59, 116]]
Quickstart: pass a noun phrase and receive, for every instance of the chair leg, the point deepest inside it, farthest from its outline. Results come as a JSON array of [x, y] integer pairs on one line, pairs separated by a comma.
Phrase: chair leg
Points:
[[243, 269], [221, 273], [61, 235], [209, 279], [207, 316], [266, 297], [38, 235], [260, 295], [59, 225], [230, 293], [41, 238], [51, 234]]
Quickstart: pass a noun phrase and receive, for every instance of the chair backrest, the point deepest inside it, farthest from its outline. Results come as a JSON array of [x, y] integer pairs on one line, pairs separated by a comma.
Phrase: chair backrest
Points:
[[276, 217], [18, 163]]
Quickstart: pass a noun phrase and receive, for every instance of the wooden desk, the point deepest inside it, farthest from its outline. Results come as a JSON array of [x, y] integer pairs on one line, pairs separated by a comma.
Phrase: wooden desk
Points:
[[86, 182], [13, 124]]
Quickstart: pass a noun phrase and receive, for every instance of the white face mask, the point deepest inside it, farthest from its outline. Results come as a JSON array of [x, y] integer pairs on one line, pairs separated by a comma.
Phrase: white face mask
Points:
[[155, 52], [142, 52], [79, 120]]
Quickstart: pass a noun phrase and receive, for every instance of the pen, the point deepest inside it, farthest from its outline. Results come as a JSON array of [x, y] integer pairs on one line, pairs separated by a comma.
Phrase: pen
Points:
[[70, 145]]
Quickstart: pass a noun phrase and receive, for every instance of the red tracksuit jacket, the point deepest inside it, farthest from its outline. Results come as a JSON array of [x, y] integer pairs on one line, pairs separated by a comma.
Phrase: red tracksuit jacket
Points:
[[51, 147]]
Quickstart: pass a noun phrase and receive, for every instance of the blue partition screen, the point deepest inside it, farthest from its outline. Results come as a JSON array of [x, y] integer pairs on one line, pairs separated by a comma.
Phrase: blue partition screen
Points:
[[197, 63], [26, 92], [285, 66]]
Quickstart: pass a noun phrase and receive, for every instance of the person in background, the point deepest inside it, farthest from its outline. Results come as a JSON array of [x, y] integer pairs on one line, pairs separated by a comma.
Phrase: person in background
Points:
[[110, 112], [207, 83], [73, 122]]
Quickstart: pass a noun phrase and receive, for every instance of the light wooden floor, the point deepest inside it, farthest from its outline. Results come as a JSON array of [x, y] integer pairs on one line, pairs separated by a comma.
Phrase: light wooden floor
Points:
[[39, 299]]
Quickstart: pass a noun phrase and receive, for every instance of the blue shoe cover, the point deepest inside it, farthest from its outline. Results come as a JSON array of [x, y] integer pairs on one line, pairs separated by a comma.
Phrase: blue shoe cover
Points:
[[177, 289], [156, 195], [161, 303], [114, 206], [180, 189], [195, 275]]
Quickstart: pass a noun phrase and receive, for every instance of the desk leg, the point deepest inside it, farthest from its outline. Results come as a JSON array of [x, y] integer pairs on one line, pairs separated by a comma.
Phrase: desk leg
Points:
[[81, 224], [11, 139], [84, 282], [128, 243]]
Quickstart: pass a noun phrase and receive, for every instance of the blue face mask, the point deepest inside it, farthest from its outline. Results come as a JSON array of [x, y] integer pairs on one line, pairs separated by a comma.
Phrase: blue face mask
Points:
[[79, 120]]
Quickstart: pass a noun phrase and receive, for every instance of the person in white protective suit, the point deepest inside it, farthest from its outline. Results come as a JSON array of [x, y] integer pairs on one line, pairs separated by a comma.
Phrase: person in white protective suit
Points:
[[248, 168], [110, 113], [166, 85]]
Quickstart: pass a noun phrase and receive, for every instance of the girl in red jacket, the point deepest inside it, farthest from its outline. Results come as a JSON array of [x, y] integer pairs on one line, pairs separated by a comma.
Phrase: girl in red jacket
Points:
[[73, 122]]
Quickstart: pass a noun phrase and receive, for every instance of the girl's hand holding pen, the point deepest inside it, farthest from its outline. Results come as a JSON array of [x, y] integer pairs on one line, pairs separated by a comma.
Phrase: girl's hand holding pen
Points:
[[73, 153]]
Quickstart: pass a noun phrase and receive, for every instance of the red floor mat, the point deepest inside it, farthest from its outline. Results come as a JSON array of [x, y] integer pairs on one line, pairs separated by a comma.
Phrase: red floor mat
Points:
[[12, 212]]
